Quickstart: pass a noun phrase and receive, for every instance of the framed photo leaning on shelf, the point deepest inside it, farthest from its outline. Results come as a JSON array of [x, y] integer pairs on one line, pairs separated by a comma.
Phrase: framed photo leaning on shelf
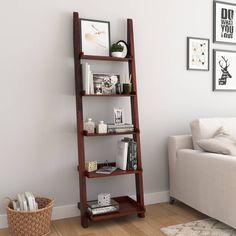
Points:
[[224, 70], [197, 54], [119, 116], [105, 83], [224, 22], [95, 37]]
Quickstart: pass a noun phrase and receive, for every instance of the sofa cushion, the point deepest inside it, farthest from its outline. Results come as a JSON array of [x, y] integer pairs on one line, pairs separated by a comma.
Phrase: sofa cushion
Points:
[[220, 145], [207, 127]]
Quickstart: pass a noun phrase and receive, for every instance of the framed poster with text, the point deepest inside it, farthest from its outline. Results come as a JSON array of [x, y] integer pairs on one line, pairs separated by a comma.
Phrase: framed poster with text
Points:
[[224, 20]]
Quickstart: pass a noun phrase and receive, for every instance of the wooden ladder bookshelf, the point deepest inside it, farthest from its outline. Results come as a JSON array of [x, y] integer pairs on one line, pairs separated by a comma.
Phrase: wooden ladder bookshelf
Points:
[[127, 205]]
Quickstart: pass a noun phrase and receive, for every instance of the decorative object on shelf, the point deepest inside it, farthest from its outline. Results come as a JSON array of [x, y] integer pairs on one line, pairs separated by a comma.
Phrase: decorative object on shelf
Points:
[[224, 74], [118, 116], [89, 126], [105, 83], [122, 128], [224, 22], [118, 88], [87, 79], [95, 37], [91, 166], [125, 49], [104, 199], [101, 127], [116, 50], [106, 170], [97, 209], [127, 88], [197, 54]]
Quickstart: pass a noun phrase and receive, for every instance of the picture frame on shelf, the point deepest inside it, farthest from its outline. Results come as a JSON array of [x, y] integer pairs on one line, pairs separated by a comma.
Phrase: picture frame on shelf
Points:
[[198, 53], [119, 116], [224, 22], [224, 70], [95, 37], [105, 83]]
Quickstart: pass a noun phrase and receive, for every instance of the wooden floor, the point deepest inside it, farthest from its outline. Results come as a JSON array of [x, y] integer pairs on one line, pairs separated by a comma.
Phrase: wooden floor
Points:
[[157, 216]]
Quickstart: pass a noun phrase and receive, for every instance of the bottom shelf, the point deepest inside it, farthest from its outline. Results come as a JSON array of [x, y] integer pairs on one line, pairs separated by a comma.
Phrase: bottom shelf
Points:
[[127, 205]]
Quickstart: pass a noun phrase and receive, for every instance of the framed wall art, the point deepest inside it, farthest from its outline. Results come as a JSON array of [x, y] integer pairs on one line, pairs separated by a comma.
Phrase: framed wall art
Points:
[[95, 37], [224, 22], [197, 54], [224, 74]]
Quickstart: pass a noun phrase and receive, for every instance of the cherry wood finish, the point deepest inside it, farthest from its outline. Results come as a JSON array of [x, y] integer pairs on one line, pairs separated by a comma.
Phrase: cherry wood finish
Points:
[[128, 206], [103, 58], [85, 133], [108, 95]]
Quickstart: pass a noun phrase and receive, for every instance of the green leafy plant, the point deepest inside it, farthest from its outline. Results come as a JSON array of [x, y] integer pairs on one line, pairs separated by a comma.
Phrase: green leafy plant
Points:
[[117, 48]]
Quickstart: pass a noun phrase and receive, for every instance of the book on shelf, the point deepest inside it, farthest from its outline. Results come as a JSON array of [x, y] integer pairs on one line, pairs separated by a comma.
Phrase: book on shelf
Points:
[[106, 170], [95, 209], [126, 156], [132, 154], [121, 128], [121, 155]]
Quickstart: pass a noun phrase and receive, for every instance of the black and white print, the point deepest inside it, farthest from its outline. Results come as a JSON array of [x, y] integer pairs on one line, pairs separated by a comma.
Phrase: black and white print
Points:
[[224, 76], [197, 53], [105, 83], [224, 22]]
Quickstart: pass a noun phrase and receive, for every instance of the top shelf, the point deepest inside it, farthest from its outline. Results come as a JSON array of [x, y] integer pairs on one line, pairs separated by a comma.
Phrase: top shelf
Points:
[[104, 58]]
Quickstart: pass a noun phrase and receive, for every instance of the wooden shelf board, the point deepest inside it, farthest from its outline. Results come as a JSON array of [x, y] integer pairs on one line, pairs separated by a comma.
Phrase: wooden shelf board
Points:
[[127, 206], [104, 58], [93, 174], [85, 133], [108, 95]]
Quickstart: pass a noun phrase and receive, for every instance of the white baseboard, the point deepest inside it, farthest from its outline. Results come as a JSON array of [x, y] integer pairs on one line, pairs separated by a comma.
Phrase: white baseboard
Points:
[[67, 211]]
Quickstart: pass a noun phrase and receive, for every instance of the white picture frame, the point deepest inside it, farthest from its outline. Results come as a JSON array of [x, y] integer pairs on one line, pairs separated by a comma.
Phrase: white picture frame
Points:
[[224, 22], [119, 116], [224, 74], [198, 54], [95, 37]]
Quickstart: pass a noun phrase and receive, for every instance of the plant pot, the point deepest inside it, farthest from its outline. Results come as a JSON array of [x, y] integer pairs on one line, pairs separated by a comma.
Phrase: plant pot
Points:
[[116, 54]]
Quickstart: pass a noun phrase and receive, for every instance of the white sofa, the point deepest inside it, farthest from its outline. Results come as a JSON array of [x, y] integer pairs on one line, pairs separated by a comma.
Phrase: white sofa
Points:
[[205, 181]]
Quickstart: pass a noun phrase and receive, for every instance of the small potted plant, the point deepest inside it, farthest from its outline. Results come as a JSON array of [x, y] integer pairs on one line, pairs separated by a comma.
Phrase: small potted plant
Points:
[[116, 50]]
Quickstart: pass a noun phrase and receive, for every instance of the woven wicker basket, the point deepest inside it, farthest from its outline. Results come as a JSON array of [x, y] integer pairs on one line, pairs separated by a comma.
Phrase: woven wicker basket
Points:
[[35, 223]]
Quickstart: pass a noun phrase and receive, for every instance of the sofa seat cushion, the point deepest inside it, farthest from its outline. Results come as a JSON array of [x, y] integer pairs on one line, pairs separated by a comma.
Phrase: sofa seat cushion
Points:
[[207, 127]]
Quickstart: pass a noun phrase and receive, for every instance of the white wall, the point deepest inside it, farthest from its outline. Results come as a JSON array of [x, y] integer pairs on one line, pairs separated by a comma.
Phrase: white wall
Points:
[[37, 125]]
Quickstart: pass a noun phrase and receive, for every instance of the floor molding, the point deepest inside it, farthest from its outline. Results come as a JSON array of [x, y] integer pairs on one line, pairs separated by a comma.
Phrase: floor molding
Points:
[[67, 211]]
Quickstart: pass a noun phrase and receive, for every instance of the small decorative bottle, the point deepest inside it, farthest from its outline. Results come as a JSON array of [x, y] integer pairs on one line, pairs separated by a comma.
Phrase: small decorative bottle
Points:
[[89, 126], [101, 127]]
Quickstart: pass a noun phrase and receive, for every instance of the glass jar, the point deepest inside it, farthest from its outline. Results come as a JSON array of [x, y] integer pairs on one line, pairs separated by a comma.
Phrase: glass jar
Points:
[[101, 127], [89, 126]]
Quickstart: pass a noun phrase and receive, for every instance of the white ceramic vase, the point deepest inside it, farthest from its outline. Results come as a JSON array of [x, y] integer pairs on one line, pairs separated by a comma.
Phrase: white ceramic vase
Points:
[[116, 54]]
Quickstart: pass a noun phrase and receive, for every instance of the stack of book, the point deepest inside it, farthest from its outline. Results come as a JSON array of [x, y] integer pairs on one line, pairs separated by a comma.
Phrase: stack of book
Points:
[[95, 209], [115, 128], [126, 157]]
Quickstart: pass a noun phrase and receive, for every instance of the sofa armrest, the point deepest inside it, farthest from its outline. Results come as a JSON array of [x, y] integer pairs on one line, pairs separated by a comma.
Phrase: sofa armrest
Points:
[[174, 144]]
